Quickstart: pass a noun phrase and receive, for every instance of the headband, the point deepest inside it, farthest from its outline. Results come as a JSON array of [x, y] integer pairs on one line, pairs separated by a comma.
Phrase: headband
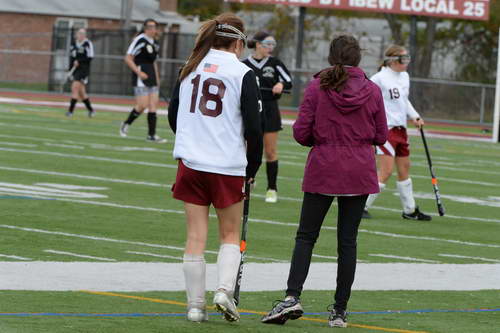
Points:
[[237, 34]]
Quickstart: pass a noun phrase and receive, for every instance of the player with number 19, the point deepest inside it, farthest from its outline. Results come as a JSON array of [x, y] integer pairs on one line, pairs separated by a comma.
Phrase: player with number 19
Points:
[[215, 113], [394, 82]]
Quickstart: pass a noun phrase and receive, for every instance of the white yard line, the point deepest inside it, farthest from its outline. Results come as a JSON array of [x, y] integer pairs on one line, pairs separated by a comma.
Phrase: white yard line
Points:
[[154, 255], [390, 256], [14, 257], [78, 255], [29, 145], [60, 145], [140, 277], [468, 257]]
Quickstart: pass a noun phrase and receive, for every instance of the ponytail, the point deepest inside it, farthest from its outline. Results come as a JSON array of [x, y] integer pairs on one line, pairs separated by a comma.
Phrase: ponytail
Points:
[[203, 44], [334, 78]]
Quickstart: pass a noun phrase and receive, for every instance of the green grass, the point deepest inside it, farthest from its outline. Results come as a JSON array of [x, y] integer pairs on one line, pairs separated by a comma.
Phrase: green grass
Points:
[[43, 140], [25, 86]]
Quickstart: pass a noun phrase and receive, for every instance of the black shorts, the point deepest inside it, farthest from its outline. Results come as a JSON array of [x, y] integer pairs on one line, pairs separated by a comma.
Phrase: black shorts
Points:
[[81, 74], [272, 116]]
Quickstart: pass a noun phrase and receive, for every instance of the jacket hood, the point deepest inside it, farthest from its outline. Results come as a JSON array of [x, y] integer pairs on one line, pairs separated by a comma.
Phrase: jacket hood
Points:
[[356, 92]]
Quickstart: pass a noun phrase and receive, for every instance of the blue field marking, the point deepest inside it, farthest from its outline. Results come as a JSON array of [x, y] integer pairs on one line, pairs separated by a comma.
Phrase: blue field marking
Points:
[[169, 314]]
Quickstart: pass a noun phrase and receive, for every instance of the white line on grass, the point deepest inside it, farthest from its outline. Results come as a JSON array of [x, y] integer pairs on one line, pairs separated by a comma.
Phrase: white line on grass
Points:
[[14, 257], [468, 257], [120, 241], [60, 145], [94, 158], [77, 255], [390, 256], [154, 255], [29, 145]]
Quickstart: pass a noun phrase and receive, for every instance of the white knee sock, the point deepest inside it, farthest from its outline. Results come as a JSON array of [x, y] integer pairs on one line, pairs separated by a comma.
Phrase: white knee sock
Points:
[[228, 262], [405, 189], [372, 197], [194, 267]]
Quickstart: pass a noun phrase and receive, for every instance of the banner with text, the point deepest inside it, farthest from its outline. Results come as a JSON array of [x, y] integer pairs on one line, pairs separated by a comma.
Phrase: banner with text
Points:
[[463, 9]]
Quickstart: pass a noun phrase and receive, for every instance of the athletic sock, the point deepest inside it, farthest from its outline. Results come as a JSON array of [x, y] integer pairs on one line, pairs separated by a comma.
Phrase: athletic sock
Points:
[[272, 175], [132, 117], [194, 267], [152, 123], [405, 189], [72, 104], [228, 262], [88, 105], [372, 197]]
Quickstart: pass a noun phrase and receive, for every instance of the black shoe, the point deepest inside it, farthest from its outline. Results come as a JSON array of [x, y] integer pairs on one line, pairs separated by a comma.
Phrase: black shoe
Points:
[[366, 214], [69, 114], [417, 215], [337, 318], [290, 308]]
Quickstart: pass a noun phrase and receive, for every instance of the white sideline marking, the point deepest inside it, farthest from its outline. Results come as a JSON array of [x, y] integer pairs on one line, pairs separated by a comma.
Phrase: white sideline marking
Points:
[[73, 187], [155, 255], [60, 145], [137, 276], [74, 175], [472, 171], [390, 256], [468, 257], [78, 255], [45, 192], [112, 240], [88, 157], [457, 198], [14, 257], [29, 145]]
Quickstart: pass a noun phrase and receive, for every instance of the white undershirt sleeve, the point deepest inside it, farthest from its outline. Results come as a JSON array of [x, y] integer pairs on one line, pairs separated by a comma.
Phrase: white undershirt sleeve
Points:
[[411, 112]]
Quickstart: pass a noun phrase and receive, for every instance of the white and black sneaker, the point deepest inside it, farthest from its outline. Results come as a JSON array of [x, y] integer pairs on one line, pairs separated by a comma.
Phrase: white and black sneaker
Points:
[[337, 318], [366, 214], [91, 114], [289, 308], [417, 215], [124, 130], [155, 138], [197, 314], [224, 303], [69, 114]]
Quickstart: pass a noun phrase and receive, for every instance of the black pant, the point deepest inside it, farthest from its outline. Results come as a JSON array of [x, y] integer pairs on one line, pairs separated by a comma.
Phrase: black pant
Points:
[[314, 209]]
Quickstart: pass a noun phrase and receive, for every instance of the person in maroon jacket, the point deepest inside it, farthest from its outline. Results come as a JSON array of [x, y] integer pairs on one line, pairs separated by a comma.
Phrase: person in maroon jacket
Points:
[[342, 116]]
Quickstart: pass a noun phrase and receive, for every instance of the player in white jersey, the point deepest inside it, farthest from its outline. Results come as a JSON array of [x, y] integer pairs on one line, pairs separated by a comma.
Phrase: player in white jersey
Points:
[[215, 114], [394, 82]]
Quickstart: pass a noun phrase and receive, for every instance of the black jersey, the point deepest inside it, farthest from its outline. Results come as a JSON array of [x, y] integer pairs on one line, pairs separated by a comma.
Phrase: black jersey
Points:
[[145, 51], [269, 71], [83, 53]]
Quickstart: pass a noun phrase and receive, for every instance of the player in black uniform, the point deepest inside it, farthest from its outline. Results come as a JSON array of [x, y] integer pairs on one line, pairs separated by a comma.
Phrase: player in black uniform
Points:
[[81, 54], [141, 58], [273, 78]]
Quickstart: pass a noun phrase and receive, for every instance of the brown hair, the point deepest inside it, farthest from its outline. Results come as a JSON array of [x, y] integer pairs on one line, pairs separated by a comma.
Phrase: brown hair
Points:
[[344, 50], [258, 37], [392, 51], [207, 39]]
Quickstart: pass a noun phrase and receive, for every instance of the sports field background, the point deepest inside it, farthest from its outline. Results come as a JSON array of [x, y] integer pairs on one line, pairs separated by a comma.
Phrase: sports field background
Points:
[[63, 177]]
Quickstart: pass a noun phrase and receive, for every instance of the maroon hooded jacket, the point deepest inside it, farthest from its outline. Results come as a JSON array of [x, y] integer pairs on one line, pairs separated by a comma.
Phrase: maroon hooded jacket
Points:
[[342, 129]]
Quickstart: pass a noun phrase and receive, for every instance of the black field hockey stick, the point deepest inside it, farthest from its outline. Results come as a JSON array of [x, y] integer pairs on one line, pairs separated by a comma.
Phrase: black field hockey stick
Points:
[[270, 89], [440, 206], [243, 244]]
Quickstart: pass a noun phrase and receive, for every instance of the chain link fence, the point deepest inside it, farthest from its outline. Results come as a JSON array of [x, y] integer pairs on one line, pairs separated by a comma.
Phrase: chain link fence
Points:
[[41, 61]]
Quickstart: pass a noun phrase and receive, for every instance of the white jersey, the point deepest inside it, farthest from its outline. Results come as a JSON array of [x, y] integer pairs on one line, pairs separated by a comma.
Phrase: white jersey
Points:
[[210, 131], [395, 88]]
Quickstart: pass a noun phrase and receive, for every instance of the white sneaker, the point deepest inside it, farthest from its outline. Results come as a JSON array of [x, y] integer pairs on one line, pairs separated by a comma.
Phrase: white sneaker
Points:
[[271, 196], [124, 130], [155, 138], [224, 304], [197, 315]]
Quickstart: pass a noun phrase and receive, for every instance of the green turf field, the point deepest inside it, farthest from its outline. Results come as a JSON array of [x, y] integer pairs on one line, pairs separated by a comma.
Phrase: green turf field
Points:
[[119, 190]]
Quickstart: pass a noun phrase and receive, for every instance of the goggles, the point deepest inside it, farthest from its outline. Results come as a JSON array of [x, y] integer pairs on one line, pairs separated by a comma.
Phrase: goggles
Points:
[[402, 59], [268, 44]]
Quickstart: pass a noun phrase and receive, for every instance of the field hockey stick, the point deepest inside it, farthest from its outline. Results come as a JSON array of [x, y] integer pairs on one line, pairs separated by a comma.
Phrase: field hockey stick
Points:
[[243, 243], [440, 206], [70, 73]]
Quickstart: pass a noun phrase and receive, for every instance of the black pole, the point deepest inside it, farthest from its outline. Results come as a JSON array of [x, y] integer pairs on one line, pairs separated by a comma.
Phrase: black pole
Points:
[[298, 56], [413, 43]]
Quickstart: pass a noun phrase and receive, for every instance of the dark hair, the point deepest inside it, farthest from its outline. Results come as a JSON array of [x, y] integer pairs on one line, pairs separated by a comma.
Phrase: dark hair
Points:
[[392, 51], [258, 37], [146, 21], [344, 50], [207, 39]]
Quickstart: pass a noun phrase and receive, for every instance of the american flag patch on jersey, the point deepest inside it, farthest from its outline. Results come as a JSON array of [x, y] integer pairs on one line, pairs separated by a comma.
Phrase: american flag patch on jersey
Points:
[[211, 68]]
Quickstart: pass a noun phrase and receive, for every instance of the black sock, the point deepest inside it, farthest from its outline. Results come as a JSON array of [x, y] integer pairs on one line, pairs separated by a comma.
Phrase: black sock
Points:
[[88, 105], [132, 116], [152, 123], [72, 104], [272, 175]]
